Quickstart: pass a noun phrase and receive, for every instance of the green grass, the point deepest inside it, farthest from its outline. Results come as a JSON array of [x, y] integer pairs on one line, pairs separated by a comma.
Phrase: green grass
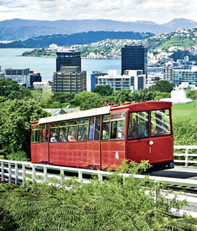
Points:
[[181, 112]]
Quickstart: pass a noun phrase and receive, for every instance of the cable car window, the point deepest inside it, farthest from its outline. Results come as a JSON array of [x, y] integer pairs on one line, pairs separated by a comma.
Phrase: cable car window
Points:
[[44, 133], [97, 128], [91, 129], [36, 134], [72, 130], [54, 133], [117, 126], [138, 125], [63, 129], [160, 123], [83, 129], [105, 128]]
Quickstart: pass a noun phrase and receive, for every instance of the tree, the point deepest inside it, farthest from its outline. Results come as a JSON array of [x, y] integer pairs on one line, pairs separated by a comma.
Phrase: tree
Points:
[[62, 97], [103, 90], [43, 97], [162, 86], [122, 96], [15, 118], [160, 95], [87, 100], [10, 89]]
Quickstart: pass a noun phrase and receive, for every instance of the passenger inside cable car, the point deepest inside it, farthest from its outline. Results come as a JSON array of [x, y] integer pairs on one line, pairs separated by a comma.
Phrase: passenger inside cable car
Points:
[[62, 137], [71, 137], [54, 137]]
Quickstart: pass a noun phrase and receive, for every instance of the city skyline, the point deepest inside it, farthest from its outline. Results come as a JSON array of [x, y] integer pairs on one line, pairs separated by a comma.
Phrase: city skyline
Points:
[[120, 10]]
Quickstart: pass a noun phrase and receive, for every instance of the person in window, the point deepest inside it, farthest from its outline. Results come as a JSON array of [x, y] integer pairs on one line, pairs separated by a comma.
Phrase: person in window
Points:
[[62, 137], [91, 131], [54, 137], [114, 135], [105, 135], [72, 137]]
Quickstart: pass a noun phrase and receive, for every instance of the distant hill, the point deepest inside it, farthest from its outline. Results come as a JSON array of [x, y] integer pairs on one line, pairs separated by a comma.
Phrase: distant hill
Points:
[[19, 29], [175, 45], [181, 39], [78, 38]]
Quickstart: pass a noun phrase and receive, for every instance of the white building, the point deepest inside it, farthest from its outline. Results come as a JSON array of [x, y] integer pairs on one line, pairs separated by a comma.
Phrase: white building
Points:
[[18, 75], [44, 86], [185, 75], [132, 79], [2, 75]]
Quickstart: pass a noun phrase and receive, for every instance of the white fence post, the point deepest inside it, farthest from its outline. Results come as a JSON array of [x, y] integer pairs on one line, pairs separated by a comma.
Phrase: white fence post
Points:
[[45, 174], [100, 176], [23, 174], [10, 172], [33, 173], [16, 173], [186, 157], [2, 172], [80, 176], [62, 173]]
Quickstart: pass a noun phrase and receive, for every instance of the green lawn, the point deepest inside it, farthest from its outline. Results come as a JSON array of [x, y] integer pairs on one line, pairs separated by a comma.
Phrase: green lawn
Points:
[[181, 112]]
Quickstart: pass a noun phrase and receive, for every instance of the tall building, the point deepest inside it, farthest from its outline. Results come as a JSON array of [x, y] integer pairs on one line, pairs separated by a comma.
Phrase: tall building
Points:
[[69, 82], [134, 58], [68, 77], [68, 57], [33, 77], [168, 72]]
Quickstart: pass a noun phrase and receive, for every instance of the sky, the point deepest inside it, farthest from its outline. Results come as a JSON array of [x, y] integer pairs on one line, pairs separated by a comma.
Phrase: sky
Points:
[[159, 11]]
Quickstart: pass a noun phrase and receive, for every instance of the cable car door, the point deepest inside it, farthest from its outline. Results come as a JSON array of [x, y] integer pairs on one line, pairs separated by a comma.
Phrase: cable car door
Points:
[[44, 145], [94, 148]]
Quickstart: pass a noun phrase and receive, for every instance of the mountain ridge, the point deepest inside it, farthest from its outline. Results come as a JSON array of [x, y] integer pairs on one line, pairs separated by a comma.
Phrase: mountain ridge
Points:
[[21, 29]]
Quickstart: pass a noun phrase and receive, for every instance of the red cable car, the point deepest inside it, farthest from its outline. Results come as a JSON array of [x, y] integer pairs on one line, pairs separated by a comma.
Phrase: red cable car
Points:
[[102, 137]]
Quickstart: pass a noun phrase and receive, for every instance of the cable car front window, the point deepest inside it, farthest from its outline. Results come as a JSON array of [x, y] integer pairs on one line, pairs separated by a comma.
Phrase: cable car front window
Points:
[[160, 123], [138, 125]]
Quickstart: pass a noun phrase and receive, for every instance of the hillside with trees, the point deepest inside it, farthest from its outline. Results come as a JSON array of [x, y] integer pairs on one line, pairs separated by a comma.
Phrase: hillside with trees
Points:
[[78, 38]]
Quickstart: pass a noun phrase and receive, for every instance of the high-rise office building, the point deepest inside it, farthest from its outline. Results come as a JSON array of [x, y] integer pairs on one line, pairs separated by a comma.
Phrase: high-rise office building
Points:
[[66, 58], [31, 78], [134, 58], [68, 77], [69, 82]]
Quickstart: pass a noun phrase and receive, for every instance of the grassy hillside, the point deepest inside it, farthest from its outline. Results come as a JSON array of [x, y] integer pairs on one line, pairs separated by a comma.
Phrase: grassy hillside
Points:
[[182, 112]]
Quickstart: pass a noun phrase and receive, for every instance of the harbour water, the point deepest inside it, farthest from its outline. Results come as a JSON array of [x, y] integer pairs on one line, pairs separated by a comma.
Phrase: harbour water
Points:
[[46, 66]]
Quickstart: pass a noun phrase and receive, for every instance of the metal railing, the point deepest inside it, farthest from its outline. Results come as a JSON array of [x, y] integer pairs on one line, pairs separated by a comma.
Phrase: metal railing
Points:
[[19, 172], [187, 160]]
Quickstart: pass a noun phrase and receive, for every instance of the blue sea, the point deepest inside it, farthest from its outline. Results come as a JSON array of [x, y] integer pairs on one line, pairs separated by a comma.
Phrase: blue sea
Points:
[[46, 66]]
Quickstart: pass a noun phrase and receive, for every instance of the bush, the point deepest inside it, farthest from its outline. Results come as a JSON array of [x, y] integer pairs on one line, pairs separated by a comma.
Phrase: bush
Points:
[[114, 204], [19, 156]]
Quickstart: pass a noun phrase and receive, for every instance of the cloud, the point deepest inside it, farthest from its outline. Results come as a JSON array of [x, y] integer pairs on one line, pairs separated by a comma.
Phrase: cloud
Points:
[[123, 10]]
